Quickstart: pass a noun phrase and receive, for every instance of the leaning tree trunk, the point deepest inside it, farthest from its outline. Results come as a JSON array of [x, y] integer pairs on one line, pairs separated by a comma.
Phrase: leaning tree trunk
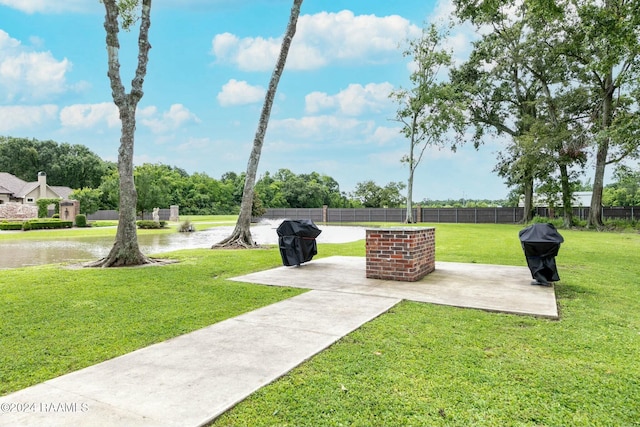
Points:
[[125, 251], [241, 236]]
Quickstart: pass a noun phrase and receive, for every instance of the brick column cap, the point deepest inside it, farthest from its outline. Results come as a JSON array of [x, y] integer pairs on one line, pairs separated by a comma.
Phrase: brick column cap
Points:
[[400, 228]]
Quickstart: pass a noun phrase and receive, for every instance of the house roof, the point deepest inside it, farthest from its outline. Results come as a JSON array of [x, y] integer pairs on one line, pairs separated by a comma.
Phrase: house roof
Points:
[[63, 192], [11, 184], [27, 188]]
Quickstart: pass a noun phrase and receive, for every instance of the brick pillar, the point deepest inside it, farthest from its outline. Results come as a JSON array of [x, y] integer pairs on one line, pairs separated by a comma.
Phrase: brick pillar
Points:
[[174, 214], [405, 253]]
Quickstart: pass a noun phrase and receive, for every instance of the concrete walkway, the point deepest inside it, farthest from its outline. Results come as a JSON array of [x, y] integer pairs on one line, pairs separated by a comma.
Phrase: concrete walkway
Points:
[[191, 379]]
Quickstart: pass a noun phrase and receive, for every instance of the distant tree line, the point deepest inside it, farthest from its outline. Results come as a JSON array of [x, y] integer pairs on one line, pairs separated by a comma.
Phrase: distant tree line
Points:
[[96, 185]]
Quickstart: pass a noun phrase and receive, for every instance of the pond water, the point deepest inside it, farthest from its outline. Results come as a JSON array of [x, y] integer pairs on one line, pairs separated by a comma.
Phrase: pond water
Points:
[[21, 253]]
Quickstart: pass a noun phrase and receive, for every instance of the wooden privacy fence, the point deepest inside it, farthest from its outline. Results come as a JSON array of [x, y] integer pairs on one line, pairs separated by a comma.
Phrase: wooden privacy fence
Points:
[[433, 215], [503, 215]]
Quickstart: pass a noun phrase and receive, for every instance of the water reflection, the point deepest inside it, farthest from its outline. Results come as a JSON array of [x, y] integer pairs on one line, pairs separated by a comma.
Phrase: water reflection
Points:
[[21, 253]]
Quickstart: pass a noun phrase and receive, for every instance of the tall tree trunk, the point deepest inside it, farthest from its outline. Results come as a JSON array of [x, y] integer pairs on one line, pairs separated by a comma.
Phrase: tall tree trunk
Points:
[[595, 213], [241, 236], [409, 217], [125, 251], [527, 184], [412, 168], [567, 195]]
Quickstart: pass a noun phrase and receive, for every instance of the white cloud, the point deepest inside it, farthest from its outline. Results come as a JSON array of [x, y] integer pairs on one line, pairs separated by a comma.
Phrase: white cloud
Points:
[[177, 116], [355, 100], [236, 92], [224, 44], [383, 135], [316, 125], [86, 116], [318, 101], [7, 43], [324, 128], [24, 117], [50, 6], [29, 75], [321, 39]]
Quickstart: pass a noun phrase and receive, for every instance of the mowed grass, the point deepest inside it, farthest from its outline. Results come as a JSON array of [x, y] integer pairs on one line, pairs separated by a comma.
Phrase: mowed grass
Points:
[[55, 320], [418, 364], [423, 364]]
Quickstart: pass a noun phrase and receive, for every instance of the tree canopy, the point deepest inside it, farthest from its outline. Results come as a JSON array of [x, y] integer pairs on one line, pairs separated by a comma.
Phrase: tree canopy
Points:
[[73, 166], [561, 79]]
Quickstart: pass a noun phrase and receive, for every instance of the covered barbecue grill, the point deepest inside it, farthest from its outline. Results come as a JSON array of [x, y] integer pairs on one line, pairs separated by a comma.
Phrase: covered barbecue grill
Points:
[[541, 243], [297, 241]]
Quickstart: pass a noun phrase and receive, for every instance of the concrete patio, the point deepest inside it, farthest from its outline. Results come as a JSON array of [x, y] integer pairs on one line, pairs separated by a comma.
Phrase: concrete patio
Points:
[[498, 288]]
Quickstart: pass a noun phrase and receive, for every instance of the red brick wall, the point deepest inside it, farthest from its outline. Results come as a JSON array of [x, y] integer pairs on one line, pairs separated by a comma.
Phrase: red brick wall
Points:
[[407, 254]]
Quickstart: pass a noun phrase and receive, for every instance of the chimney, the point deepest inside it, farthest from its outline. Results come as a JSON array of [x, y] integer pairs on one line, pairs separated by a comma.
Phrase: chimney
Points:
[[42, 180]]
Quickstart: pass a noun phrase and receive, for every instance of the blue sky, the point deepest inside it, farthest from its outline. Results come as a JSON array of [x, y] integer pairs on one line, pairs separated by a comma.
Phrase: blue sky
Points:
[[209, 67]]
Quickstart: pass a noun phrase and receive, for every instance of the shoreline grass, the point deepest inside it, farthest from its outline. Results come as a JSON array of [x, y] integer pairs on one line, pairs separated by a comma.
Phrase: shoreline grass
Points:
[[109, 228], [418, 364]]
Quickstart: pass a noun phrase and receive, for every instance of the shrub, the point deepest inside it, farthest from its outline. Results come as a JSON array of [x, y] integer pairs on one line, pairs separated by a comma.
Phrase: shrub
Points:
[[43, 206], [39, 224], [4, 225], [149, 224], [186, 226], [620, 224], [81, 220], [55, 216]]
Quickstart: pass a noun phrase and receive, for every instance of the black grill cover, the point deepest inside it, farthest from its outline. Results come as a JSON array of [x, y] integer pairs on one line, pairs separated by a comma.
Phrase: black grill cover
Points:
[[297, 241], [541, 243]]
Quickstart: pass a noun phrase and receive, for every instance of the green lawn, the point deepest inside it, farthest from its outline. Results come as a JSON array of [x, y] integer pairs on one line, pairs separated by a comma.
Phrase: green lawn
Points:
[[55, 320], [418, 364], [423, 364]]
